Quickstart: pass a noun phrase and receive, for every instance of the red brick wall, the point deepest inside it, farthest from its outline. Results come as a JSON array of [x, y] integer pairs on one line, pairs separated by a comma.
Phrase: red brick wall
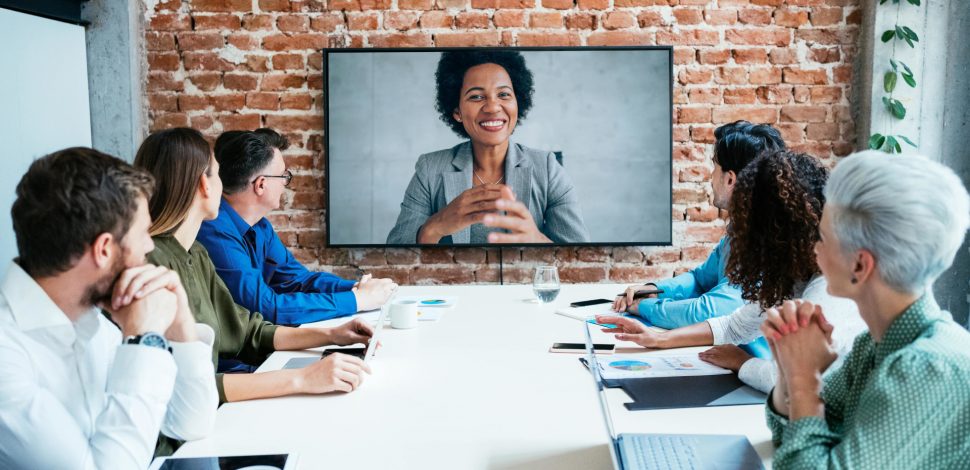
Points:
[[217, 65]]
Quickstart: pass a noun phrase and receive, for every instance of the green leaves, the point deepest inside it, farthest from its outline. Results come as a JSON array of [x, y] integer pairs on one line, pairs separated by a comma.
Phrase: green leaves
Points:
[[889, 81], [892, 144], [888, 143], [876, 141], [897, 109], [907, 76], [906, 139], [901, 32]]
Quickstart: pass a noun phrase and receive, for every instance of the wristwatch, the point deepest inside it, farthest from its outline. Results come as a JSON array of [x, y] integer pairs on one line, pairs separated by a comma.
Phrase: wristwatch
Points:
[[150, 339]]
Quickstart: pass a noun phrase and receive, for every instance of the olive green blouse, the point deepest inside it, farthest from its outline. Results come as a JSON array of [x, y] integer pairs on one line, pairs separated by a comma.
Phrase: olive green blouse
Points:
[[240, 334]]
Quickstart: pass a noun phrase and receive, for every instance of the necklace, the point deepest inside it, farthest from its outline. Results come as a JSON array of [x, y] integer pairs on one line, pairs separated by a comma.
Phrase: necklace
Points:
[[483, 181]]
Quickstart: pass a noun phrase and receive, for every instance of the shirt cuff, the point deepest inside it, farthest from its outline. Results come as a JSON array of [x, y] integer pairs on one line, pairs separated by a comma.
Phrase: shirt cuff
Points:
[[345, 285], [266, 335], [194, 359], [758, 373], [221, 388], [346, 302], [718, 325], [143, 371]]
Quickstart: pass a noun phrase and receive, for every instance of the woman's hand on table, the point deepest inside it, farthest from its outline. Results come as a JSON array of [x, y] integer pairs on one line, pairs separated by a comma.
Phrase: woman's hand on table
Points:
[[628, 329], [627, 302], [727, 356]]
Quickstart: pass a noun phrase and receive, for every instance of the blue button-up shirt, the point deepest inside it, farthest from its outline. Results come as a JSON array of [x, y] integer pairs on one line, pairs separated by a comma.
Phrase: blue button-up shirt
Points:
[[263, 275], [697, 295]]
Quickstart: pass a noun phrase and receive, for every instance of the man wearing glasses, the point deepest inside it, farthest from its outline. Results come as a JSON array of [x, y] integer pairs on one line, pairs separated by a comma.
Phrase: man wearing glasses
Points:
[[259, 271]]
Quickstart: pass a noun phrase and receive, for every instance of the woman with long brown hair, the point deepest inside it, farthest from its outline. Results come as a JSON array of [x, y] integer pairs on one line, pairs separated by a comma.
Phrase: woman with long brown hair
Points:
[[188, 191], [775, 211]]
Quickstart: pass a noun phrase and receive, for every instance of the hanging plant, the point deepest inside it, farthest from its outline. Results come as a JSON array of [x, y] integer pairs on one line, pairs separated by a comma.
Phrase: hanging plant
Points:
[[890, 142]]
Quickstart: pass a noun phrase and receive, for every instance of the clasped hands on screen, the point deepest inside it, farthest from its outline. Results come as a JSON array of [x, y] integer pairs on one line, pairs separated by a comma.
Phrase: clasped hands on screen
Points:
[[801, 341], [483, 205]]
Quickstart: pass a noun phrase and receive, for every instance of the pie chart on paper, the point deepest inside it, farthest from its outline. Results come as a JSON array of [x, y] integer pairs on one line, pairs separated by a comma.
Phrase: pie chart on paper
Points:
[[630, 365]]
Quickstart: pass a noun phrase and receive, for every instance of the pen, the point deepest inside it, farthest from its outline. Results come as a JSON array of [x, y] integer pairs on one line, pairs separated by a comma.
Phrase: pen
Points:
[[642, 293]]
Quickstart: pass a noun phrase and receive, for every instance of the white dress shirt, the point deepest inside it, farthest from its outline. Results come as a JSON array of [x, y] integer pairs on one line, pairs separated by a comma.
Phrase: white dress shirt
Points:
[[73, 396], [743, 326]]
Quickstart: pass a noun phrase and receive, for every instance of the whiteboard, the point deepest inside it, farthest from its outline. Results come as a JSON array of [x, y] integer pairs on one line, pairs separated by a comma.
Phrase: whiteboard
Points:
[[43, 102]]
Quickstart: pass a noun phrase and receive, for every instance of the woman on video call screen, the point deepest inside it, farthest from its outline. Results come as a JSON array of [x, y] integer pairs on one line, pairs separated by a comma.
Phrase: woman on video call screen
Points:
[[487, 189]]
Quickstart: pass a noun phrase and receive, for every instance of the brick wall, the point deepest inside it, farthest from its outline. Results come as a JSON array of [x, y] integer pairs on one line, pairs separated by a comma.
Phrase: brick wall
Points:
[[217, 65]]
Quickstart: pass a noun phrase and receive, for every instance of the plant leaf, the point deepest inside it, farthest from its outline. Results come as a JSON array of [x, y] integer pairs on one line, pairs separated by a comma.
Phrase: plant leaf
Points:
[[913, 2], [906, 139], [906, 67], [910, 33], [882, 1], [909, 80], [893, 144], [876, 141], [888, 35], [885, 101], [889, 81], [909, 41], [897, 109], [893, 63]]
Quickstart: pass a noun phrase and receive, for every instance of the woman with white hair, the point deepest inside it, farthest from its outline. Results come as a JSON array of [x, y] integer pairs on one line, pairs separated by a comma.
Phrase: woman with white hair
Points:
[[891, 225]]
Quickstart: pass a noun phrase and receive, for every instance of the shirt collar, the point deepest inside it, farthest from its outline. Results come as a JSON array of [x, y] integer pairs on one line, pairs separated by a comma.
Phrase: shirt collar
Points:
[[172, 247], [909, 326], [237, 221], [30, 306]]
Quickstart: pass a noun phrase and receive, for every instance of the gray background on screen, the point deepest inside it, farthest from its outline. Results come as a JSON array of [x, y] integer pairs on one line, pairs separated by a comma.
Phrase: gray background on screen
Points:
[[607, 111]]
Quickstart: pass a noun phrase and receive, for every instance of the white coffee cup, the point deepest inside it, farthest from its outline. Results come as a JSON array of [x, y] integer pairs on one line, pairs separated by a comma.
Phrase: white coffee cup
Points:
[[404, 314]]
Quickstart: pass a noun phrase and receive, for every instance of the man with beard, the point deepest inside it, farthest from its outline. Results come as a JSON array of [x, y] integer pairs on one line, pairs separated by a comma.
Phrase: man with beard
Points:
[[77, 391]]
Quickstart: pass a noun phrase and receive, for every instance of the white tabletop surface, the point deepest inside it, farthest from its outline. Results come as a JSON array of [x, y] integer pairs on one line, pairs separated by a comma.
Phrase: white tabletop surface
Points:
[[477, 389]]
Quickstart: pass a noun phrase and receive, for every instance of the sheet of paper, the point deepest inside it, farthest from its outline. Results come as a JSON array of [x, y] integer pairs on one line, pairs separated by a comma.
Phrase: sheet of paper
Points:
[[424, 314], [430, 301], [629, 366]]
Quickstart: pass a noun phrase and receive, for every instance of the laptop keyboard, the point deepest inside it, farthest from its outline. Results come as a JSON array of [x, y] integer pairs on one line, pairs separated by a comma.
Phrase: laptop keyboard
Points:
[[668, 452]]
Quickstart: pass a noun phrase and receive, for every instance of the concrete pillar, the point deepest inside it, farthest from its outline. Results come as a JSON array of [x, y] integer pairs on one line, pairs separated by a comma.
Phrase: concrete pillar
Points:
[[937, 115], [116, 75], [952, 287]]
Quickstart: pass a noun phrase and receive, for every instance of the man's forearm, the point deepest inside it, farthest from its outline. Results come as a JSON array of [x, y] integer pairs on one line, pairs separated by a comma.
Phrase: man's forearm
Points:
[[294, 339]]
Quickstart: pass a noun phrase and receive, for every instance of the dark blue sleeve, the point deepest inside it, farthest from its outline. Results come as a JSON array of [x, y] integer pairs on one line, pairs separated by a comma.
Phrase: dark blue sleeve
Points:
[[247, 280]]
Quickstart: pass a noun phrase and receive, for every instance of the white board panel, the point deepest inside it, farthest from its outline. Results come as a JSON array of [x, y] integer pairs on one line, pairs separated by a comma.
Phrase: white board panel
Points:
[[43, 101]]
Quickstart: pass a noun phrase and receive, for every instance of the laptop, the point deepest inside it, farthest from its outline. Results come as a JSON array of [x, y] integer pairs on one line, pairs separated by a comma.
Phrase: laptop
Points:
[[372, 345], [670, 451]]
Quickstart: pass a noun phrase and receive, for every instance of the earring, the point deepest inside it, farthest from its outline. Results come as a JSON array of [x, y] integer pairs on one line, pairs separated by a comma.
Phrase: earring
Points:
[[459, 119], [854, 280]]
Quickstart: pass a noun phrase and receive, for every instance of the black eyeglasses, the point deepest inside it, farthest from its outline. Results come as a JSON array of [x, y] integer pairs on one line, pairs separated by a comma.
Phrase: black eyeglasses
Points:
[[287, 177]]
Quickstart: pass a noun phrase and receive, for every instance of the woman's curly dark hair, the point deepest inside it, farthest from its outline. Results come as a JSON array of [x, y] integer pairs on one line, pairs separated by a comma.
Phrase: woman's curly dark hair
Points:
[[775, 212], [451, 74]]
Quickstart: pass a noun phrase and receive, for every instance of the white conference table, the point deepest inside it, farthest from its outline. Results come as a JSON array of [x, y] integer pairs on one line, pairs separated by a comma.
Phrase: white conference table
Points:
[[476, 389]]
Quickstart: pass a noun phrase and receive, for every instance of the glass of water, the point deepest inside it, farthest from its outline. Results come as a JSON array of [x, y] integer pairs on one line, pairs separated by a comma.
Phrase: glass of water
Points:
[[546, 283]]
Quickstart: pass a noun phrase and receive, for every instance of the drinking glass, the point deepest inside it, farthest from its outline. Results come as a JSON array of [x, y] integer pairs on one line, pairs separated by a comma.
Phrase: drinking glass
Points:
[[546, 283]]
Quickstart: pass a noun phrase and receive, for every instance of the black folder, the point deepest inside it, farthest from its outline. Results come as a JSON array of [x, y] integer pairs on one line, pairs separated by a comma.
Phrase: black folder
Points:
[[692, 391]]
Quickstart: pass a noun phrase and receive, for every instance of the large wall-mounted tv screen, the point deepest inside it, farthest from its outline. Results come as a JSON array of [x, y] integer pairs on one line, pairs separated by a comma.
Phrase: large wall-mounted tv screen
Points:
[[484, 146]]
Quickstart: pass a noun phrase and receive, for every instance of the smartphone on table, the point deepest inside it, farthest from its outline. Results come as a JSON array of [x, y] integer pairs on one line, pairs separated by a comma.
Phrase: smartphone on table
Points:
[[598, 348]]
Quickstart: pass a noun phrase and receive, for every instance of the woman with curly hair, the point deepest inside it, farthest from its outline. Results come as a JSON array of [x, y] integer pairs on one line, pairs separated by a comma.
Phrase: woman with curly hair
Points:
[[775, 210], [487, 189]]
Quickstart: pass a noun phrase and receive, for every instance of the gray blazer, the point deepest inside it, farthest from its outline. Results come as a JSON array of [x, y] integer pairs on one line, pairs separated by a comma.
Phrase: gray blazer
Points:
[[536, 178]]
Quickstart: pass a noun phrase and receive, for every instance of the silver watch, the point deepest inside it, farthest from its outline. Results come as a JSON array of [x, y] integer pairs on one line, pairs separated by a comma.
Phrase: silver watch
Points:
[[150, 339]]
